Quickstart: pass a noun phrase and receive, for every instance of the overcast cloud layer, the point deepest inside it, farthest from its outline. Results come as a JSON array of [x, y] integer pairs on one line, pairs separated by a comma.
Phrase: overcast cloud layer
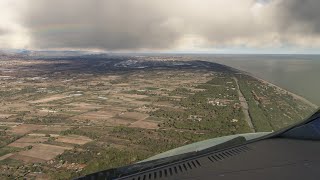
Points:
[[159, 25]]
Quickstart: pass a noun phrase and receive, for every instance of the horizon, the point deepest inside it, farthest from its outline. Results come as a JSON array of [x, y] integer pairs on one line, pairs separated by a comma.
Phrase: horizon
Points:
[[159, 52]]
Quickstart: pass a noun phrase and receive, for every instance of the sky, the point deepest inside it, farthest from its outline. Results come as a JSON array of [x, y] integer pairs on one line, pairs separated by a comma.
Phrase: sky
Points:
[[207, 26]]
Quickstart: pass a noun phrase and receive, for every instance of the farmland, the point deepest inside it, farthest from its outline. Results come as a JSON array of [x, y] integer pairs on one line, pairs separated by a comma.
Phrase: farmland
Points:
[[66, 117]]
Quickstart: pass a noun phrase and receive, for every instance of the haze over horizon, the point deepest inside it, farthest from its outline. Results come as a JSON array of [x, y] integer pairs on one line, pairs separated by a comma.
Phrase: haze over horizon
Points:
[[220, 26]]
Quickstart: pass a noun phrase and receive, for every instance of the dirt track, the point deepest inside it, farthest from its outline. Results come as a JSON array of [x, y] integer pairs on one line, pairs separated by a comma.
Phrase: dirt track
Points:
[[245, 107]]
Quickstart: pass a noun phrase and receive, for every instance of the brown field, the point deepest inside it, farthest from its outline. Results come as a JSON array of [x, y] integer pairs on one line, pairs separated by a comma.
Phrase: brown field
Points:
[[44, 151], [25, 128], [144, 124], [26, 159], [5, 156], [48, 99], [115, 108], [2, 116], [134, 115], [117, 121], [74, 139], [96, 116], [27, 141], [139, 103], [36, 135], [11, 124], [81, 106], [55, 128]]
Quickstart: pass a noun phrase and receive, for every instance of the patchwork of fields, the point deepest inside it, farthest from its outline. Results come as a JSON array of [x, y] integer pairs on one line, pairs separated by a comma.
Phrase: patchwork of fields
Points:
[[68, 117]]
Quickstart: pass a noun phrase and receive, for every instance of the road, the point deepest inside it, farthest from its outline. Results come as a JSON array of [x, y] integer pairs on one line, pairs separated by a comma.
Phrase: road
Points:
[[245, 107]]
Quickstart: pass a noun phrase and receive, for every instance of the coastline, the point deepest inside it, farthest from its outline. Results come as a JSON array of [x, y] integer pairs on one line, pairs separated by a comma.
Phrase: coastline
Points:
[[276, 86], [291, 93]]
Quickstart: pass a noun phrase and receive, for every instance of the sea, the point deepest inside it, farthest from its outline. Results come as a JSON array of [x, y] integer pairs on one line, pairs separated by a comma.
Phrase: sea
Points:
[[299, 74]]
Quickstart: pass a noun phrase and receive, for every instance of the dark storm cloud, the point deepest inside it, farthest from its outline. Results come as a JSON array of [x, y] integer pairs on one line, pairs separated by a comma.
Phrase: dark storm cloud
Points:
[[112, 24], [167, 24], [300, 16], [138, 24]]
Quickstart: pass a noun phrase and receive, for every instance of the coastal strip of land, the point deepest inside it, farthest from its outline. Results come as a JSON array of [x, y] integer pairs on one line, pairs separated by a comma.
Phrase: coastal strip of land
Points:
[[291, 93]]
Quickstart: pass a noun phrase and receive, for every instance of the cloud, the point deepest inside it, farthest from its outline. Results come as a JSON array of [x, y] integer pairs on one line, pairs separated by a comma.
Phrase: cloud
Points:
[[139, 24], [12, 34], [111, 24], [3, 31], [170, 24], [299, 16], [296, 22]]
